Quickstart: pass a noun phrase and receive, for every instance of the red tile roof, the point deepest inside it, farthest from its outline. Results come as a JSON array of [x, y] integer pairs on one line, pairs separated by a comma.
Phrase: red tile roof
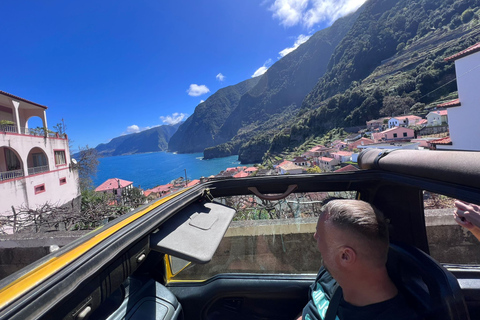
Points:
[[113, 183], [325, 159], [285, 162], [251, 169], [446, 141], [397, 128], [347, 168], [317, 148], [410, 117], [464, 53], [193, 182], [453, 103], [25, 100], [147, 193], [343, 153], [241, 174]]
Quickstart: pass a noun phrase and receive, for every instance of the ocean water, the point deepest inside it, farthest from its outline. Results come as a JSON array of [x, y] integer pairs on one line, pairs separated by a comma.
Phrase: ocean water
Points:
[[148, 170]]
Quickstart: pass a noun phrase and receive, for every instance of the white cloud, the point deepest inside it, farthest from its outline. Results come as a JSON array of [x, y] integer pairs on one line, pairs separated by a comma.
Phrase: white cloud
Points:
[[259, 71], [300, 39], [133, 129], [201, 101], [262, 69], [196, 90], [289, 12], [220, 77], [174, 118], [311, 12]]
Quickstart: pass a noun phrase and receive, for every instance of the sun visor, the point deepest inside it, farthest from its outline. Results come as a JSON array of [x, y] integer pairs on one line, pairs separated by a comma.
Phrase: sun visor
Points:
[[194, 233]]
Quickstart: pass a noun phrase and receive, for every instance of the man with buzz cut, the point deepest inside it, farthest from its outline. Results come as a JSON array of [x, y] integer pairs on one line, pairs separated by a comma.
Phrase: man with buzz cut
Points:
[[352, 238]]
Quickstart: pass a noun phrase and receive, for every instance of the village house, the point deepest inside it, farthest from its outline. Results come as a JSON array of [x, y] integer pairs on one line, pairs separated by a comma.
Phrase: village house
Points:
[[35, 168], [437, 118], [158, 191], [317, 151], [403, 121], [327, 164], [118, 187], [339, 145], [300, 161], [342, 156], [288, 167], [393, 134], [462, 112]]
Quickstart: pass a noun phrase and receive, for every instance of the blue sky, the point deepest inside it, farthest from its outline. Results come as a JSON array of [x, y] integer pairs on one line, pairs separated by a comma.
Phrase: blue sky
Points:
[[114, 67]]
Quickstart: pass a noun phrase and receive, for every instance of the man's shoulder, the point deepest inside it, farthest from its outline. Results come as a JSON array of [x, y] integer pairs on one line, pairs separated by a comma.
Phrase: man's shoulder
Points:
[[393, 309]]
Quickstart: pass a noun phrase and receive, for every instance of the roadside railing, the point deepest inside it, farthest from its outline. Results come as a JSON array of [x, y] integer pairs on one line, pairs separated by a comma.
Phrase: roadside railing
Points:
[[35, 170], [7, 175]]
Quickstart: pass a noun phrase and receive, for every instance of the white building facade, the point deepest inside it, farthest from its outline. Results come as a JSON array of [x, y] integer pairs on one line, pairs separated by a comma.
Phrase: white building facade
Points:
[[463, 118], [34, 169]]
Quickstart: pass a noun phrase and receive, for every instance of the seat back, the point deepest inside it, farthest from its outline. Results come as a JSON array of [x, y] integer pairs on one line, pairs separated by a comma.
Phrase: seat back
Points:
[[430, 288]]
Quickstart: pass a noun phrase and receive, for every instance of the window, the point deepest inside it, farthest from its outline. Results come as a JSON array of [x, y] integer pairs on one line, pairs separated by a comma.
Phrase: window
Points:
[[40, 188], [60, 157], [39, 159], [63, 181], [404, 134], [394, 135], [264, 237]]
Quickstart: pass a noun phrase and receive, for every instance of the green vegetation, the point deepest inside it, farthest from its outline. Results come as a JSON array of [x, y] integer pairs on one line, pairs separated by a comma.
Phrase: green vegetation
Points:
[[385, 60]]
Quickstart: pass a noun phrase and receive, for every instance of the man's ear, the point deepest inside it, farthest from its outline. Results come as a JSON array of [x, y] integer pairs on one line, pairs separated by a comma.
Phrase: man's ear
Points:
[[347, 256]]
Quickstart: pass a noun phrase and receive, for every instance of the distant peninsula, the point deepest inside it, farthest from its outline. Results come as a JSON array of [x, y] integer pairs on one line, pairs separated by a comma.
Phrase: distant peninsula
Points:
[[151, 140]]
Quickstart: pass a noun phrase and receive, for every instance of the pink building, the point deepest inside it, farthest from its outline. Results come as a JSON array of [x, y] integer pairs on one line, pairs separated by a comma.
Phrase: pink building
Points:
[[342, 156], [396, 133], [34, 169]]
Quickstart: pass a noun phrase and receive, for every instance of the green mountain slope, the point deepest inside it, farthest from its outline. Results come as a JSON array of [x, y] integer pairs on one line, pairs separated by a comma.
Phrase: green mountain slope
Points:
[[200, 130], [391, 62], [280, 91], [386, 59]]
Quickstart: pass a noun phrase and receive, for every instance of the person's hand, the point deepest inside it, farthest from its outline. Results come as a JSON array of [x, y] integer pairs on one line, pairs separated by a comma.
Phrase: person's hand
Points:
[[467, 215]]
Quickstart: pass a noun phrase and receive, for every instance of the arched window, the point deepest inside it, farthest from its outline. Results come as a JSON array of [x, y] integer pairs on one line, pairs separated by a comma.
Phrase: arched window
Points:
[[10, 164], [37, 161]]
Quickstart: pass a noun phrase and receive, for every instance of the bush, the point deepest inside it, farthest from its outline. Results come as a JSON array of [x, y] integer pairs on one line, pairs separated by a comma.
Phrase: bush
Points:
[[467, 15]]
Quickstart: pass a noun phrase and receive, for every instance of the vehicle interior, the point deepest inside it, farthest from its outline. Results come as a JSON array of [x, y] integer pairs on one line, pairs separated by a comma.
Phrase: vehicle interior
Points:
[[243, 248]]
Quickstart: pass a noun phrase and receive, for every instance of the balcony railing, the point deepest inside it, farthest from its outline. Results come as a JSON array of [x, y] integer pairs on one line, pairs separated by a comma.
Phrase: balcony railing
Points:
[[7, 175], [35, 170], [31, 132], [8, 128]]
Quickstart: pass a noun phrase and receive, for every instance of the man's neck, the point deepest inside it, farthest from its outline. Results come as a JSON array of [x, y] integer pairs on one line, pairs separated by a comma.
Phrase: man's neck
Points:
[[368, 288]]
